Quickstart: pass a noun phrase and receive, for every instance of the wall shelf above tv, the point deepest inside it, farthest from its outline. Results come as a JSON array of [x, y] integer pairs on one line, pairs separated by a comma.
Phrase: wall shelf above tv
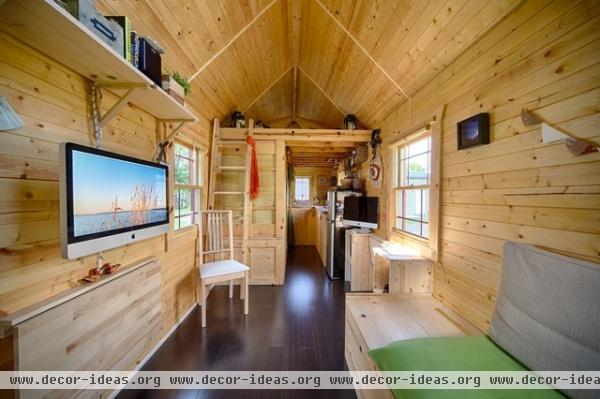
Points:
[[48, 28]]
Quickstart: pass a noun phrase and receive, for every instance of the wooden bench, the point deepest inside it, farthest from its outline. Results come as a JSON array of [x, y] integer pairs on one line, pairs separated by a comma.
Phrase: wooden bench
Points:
[[376, 320]]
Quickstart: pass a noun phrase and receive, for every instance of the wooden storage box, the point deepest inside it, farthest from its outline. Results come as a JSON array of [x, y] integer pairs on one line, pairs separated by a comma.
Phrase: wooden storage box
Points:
[[174, 89], [108, 31], [376, 320], [402, 273]]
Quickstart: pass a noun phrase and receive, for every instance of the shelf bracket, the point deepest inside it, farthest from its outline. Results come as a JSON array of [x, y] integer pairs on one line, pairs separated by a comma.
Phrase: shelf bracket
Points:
[[159, 152], [104, 119], [99, 121]]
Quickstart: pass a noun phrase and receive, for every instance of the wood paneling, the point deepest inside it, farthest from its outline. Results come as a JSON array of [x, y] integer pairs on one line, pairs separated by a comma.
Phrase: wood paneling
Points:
[[53, 103], [115, 324], [245, 69], [191, 33], [352, 57], [314, 106], [266, 259], [340, 68], [275, 105], [543, 56]]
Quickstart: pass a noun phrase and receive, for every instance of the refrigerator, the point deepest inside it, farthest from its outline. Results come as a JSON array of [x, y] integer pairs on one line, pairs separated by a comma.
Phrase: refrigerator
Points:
[[336, 232]]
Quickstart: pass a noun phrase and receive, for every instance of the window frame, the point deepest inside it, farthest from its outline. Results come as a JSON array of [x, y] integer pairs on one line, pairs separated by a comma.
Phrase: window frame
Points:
[[397, 186], [195, 185], [302, 202]]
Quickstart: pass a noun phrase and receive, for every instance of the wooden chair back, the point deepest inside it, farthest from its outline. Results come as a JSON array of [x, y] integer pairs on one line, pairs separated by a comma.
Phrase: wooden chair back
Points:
[[215, 234]]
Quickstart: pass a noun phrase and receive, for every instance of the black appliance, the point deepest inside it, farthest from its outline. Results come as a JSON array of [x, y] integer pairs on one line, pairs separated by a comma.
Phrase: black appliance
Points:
[[336, 232], [361, 212]]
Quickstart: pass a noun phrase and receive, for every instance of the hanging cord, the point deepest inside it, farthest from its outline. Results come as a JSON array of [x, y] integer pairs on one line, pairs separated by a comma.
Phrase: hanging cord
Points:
[[375, 142], [162, 153], [96, 96]]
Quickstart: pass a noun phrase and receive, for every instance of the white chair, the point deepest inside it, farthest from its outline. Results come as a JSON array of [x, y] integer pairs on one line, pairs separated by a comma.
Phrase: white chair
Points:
[[219, 271]]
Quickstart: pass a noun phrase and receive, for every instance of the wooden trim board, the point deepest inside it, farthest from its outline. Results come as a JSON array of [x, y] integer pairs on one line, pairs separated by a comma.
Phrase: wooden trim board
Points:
[[29, 312]]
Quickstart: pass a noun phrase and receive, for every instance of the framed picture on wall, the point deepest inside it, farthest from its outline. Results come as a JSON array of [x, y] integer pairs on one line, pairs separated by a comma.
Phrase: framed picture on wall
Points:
[[473, 131], [322, 181]]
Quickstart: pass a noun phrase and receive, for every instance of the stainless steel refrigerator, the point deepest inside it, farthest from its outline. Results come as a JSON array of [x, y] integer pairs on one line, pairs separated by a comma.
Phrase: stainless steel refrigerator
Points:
[[336, 232]]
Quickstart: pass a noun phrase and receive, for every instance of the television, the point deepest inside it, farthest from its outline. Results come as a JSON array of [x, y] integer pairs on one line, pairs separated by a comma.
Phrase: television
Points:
[[361, 212], [108, 200]]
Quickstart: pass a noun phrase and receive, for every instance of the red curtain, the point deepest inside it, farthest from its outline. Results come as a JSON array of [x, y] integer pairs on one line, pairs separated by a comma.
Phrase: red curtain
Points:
[[254, 184]]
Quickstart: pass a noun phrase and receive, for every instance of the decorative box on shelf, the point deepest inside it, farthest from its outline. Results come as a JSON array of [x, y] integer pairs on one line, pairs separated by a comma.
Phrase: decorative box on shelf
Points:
[[109, 31], [174, 89]]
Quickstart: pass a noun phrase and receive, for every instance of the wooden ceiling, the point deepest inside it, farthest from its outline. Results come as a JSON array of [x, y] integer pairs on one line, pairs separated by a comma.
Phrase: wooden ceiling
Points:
[[311, 61]]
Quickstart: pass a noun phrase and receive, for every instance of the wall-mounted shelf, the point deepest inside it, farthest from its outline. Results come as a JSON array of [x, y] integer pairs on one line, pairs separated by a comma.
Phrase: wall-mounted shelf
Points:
[[48, 28]]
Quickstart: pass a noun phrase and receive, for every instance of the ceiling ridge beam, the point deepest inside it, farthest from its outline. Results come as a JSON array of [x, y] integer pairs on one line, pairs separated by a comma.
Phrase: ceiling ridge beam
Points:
[[244, 29], [269, 87], [294, 92], [363, 49], [322, 91]]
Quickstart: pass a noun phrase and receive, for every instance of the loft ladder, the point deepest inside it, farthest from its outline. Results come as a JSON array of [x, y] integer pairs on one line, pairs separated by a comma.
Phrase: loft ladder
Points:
[[225, 172]]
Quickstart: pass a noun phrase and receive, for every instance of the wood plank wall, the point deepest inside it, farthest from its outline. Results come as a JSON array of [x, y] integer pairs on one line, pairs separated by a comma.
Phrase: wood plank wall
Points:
[[544, 56], [53, 103]]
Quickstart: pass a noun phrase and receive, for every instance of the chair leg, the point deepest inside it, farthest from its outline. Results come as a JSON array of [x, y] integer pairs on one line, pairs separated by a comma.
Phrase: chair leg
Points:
[[203, 303], [246, 293], [242, 290], [230, 289]]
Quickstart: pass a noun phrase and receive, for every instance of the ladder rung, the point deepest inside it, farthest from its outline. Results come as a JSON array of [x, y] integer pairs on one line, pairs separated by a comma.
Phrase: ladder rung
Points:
[[228, 192], [231, 142], [230, 167]]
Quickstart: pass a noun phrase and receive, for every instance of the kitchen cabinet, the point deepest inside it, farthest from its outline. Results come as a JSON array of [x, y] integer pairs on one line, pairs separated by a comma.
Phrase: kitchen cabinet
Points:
[[305, 224], [322, 236]]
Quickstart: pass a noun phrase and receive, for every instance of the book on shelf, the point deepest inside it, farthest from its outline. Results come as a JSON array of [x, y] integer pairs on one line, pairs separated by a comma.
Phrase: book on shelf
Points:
[[135, 49]]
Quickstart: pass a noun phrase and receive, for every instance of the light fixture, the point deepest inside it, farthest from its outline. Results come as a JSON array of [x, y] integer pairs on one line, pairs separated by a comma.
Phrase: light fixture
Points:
[[9, 119]]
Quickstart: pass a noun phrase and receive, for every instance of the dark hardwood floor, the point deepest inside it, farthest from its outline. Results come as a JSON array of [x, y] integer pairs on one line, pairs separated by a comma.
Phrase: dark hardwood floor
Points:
[[297, 326]]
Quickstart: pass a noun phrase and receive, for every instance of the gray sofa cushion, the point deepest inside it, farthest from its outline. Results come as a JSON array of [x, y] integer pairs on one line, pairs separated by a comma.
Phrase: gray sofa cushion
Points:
[[548, 311]]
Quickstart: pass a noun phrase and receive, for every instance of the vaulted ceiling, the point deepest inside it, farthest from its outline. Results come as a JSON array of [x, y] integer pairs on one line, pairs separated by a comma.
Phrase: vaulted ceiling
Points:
[[308, 61]]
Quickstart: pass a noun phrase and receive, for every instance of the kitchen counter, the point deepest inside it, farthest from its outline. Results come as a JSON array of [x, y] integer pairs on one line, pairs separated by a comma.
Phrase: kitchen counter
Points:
[[320, 208]]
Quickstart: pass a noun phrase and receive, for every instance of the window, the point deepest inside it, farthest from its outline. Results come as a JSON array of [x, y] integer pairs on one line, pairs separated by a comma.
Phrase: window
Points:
[[412, 181], [302, 189], [188, 184]]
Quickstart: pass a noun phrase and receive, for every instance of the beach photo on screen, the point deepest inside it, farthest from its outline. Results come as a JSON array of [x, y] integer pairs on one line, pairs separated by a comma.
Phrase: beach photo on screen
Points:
[[111, 194]]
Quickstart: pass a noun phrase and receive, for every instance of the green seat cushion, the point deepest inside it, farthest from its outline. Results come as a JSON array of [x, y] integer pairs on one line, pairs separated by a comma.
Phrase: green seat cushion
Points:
[[471, 353]]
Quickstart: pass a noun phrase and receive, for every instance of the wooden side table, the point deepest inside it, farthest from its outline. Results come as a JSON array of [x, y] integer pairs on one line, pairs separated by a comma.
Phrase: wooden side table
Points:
[[405, 273]]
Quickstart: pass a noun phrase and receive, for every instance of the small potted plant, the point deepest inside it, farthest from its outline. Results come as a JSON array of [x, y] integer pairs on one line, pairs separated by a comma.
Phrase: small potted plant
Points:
[[177, 86]]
